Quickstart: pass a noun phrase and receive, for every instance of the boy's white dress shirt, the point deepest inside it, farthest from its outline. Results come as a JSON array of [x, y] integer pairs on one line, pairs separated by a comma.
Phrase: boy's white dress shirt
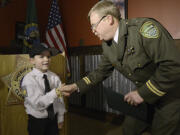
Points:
[[36, 101]]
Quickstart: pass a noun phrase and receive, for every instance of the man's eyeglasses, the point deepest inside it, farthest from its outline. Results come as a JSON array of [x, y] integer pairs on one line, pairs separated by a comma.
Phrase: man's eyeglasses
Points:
[[96, 24]]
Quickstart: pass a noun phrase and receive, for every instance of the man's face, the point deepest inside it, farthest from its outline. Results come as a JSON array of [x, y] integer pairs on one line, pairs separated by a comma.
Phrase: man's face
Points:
[[41, 61], [100, 26]]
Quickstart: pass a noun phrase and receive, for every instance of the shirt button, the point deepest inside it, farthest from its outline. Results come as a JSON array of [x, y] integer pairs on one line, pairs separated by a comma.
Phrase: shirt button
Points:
[[139, 65], [136, 82], [129, 74]]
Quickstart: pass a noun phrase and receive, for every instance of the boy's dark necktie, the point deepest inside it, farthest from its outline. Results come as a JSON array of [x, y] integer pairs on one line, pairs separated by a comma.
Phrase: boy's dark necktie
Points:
[[50, 109]]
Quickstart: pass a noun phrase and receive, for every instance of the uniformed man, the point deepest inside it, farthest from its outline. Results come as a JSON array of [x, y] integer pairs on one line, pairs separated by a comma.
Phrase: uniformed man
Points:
[[143, 51]]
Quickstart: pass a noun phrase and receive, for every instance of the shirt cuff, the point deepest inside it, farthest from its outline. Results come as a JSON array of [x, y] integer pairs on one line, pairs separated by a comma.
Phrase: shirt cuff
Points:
[[148, 95], [53, 94], [60, 118], [58, 93], [82, 86]]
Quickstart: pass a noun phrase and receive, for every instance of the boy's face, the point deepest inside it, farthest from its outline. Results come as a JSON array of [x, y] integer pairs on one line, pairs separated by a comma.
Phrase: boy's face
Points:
[[41, 61]]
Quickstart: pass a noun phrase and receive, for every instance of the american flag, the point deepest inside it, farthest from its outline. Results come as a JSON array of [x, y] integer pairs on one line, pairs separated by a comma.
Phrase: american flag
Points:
[[54, 34]]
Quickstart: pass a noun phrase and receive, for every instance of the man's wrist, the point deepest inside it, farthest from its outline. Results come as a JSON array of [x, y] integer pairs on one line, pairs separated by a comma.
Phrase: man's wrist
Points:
[[75, 87]]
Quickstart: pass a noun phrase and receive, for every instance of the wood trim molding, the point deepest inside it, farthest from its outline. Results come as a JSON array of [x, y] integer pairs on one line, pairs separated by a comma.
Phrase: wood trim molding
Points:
[[85, 50], [95, 50]]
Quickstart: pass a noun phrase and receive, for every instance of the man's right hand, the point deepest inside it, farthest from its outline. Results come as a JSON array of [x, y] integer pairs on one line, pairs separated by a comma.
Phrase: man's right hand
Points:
[[68, 89]]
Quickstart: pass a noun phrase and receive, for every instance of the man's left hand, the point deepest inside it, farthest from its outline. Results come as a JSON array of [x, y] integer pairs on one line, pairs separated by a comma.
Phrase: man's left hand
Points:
[[133, 98]]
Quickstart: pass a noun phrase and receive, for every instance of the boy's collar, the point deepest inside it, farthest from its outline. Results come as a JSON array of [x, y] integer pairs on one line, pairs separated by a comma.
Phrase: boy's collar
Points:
[[38, 72]]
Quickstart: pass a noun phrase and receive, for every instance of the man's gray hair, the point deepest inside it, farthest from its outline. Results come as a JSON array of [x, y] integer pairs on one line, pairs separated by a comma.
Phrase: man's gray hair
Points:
[[105, 7]]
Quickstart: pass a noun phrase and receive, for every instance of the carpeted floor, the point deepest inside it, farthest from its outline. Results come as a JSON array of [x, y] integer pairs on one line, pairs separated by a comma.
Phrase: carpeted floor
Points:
[[81, 125]]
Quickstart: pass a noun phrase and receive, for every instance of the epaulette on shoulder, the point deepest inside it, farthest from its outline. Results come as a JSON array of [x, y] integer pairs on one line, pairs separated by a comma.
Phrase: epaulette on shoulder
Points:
[[136, 21]]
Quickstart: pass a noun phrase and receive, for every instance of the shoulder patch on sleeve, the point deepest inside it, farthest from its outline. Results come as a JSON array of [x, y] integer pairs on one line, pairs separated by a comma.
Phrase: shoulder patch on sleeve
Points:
[[149, 30]]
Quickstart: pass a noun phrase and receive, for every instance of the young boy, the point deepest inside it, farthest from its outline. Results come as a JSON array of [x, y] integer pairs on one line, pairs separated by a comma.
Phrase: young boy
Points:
[[43, 102]]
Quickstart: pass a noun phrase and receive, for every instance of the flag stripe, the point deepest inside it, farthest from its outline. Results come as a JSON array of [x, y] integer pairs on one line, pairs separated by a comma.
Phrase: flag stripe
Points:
[[61, 40], [54, 34], [62, 35], [59, 27], [51, 35], [56, 39], [48, 41]]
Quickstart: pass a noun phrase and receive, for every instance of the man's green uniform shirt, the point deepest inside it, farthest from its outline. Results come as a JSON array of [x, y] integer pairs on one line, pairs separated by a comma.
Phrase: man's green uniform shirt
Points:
[[145, 54]]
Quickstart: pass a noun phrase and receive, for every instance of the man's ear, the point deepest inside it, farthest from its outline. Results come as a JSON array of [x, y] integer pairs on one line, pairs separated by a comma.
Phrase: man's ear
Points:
[[110, 19]]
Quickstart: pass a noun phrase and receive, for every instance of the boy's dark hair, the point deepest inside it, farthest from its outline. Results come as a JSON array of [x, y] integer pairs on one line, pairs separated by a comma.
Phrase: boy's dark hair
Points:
[[39, 48]]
